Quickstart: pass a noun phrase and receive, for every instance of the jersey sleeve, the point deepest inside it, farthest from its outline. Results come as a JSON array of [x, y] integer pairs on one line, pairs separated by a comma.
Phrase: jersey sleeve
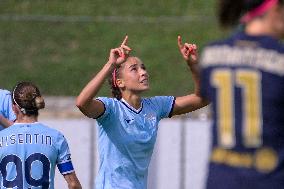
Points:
[[108, 107], [164, 105], [9, 111], [6, 105], [64, 163]]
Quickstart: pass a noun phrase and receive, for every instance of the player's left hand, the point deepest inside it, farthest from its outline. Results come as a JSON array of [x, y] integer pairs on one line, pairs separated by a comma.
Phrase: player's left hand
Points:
[[188, 51]]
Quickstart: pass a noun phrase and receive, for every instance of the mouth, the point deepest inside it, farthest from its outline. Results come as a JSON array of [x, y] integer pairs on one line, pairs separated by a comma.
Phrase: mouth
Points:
[[145, 81]]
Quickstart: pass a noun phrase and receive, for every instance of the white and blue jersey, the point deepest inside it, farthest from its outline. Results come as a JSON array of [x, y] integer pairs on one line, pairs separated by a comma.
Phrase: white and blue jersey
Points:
[[6, 106], [126, 141], [29, 153]]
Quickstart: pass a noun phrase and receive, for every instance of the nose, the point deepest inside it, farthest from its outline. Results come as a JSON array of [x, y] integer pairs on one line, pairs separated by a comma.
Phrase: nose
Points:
[[143, 72]]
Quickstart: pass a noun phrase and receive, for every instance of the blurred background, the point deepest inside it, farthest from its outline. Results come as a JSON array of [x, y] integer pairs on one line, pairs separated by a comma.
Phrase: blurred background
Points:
[[60, 44]]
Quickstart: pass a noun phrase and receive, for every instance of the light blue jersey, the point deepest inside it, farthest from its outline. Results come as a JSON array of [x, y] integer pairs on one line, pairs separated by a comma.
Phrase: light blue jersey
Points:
[[6, 106], [126, 141], [29, 153]]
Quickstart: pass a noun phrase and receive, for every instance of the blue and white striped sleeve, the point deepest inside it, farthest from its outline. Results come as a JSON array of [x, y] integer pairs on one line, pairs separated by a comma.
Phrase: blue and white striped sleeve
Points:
[[64, 163]]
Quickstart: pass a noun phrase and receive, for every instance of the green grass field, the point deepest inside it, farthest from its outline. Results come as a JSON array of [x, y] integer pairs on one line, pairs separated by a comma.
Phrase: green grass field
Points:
[[60, 45]]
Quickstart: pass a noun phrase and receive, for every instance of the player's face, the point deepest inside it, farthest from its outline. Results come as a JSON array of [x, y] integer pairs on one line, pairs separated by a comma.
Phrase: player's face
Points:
[[134, 76]]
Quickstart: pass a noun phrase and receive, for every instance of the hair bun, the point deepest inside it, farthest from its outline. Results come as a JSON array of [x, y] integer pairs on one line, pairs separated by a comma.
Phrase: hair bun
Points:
[[39, 101]]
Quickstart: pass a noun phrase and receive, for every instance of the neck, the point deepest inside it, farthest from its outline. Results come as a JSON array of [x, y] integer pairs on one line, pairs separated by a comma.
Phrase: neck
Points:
[[264, 25], [26, 119], [256, 27], [132, 99]]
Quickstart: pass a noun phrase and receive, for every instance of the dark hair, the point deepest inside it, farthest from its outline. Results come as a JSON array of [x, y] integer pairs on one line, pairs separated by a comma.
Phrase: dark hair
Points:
[[230, 11], [115, 89], [27, 96]]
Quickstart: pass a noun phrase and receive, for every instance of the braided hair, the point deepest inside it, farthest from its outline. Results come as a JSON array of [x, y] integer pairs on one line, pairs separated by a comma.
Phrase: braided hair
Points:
[[116, 93]]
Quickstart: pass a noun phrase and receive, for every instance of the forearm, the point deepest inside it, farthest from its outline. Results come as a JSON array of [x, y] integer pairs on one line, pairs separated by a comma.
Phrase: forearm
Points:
[[92, 88], [74, 185], [196, 78], [5, 122], [72, 181]]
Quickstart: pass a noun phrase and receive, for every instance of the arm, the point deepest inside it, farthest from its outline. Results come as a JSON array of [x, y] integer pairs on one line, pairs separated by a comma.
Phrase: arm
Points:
[[191, 102], [72, 181], [5, 122], [85, 101]]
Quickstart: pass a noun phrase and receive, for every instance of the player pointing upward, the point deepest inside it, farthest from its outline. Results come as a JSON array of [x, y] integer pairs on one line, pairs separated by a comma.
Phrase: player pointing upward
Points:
[[128, 123]]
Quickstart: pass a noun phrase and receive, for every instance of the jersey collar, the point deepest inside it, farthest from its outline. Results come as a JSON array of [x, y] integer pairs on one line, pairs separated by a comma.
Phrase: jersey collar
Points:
[[137, 111]]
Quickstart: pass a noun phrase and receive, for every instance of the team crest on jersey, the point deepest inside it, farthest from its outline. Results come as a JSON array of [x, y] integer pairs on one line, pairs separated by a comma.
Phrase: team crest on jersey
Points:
[[150, 117]]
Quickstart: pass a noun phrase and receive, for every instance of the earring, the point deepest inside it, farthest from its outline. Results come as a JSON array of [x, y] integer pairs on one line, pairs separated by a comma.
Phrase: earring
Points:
[[23, 110]]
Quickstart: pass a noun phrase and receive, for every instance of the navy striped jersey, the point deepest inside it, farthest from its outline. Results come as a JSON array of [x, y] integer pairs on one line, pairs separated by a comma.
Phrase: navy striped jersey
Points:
[[243, 77]]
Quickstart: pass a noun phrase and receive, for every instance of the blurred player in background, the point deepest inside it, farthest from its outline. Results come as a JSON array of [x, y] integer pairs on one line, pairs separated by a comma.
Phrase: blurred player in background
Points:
[[7, 115], [128, 123], [243, 77], [30, 150]]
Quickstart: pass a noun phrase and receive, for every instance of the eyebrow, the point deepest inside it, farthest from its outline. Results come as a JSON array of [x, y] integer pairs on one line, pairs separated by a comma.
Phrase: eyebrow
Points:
[[133, 65]]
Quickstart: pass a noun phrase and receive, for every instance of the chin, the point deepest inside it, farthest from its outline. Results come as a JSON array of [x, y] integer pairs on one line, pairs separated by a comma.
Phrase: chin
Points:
[[147, 87], [143, 89]]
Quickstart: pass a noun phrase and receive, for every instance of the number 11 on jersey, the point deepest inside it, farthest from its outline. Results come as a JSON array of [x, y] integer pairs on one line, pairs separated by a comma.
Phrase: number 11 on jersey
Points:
[[249, 81]]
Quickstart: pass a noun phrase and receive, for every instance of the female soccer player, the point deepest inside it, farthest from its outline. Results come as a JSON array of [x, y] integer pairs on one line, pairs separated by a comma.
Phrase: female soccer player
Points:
[[7, 115], [30, 150], [128, 123], [243, 77]]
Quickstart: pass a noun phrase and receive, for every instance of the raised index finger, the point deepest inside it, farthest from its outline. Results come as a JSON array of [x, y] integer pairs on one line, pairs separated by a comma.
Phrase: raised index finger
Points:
[[179, 42], [125, 41]]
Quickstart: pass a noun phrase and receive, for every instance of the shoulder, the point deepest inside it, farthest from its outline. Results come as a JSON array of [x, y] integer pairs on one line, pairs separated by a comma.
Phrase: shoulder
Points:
[[48, 130], [107, 100], [4, 92], [6, 131], [276, 45], [212, 49], [162, 105], [151, 100], [157, 100], [5, 96]]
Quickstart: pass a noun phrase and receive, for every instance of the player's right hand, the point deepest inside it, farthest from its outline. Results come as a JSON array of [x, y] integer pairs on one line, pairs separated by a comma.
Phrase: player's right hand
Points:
[[119, 55]]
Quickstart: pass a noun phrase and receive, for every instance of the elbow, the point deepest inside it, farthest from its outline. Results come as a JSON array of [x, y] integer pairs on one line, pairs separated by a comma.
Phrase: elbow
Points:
[[203, 102], [84, 107], [79, 103], [82, 104]]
